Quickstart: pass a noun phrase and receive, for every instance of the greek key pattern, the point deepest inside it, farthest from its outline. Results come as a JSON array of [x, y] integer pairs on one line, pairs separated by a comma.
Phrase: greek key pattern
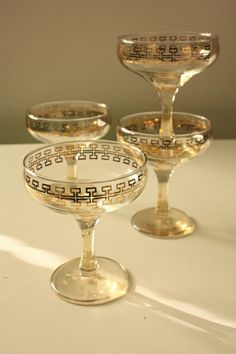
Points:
[[75, 195], [60, 126], [91, 196], [63, 128], [170, 38], [146, 143], [61, 112], [156, 48], [79, 151]]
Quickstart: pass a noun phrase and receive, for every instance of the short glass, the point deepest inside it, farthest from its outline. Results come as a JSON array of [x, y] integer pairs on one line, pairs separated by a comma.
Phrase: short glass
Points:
[[111, 175], [54, 122], [193, 135]]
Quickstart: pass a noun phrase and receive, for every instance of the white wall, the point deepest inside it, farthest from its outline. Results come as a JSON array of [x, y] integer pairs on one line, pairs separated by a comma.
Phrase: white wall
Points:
[[66, 49]]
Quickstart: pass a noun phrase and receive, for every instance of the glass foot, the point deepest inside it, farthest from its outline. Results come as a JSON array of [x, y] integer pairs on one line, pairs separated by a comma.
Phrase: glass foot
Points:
[[110, 282], [174, 224]]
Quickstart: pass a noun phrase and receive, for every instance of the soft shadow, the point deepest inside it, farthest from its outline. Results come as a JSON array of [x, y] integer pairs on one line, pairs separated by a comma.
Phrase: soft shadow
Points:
[[31, 255], [186, 314]]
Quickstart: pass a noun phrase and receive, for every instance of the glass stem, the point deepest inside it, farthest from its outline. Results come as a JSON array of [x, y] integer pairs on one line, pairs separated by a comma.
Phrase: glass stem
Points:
[[163, 176], [88, 263], [167, 96], [71, 168]]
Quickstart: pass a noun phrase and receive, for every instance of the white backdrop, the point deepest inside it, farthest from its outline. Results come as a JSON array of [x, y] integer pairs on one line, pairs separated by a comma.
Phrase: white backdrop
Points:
[[66, 49]]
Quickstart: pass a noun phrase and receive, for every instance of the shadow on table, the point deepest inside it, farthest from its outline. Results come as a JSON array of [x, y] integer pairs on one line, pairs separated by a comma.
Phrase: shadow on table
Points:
[[190, 315], [138, 296]]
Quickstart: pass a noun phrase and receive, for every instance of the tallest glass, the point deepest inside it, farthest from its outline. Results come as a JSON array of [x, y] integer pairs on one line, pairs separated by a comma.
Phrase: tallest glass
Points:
[[167, 60]]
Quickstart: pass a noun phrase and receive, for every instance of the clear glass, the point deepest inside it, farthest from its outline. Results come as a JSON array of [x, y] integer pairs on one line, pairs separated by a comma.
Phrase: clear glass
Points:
[[111, 175], [54, 122], [167, 60], [193, 134]]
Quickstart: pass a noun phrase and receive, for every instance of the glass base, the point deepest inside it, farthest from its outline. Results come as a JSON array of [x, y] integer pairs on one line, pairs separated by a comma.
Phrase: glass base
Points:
[[174, 224], [109, 283]]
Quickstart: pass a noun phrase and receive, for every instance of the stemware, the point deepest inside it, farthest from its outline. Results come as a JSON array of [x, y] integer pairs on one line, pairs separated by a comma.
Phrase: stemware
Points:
[[111, 175], [167, 60], [192, 136], [59, 121]]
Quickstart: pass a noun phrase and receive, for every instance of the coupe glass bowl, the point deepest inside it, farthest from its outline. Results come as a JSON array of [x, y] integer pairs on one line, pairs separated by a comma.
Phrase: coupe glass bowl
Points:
[[54, 122]]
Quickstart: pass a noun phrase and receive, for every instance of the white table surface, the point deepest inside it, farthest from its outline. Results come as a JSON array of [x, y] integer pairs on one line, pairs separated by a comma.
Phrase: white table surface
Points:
[[183, 296]]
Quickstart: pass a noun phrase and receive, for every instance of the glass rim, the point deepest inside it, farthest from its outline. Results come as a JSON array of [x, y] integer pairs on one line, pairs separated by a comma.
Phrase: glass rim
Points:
[[126, 38], [153, 135], [32, 116], [78, 182]]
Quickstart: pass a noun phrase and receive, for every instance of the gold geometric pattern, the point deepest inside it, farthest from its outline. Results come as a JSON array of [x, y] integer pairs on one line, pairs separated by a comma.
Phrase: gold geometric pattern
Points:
[[74, 194], [159, 48]]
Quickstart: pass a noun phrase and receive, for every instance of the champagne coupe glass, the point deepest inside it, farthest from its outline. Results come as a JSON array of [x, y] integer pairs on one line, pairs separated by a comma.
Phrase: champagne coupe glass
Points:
[[192, 136], [167, 60], [111, 175], [60, 121]]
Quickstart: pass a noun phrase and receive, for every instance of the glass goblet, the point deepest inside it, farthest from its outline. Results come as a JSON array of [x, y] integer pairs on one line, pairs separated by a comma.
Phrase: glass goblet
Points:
[[59, 121], [167, 60], [192, 136], [111, 176]]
